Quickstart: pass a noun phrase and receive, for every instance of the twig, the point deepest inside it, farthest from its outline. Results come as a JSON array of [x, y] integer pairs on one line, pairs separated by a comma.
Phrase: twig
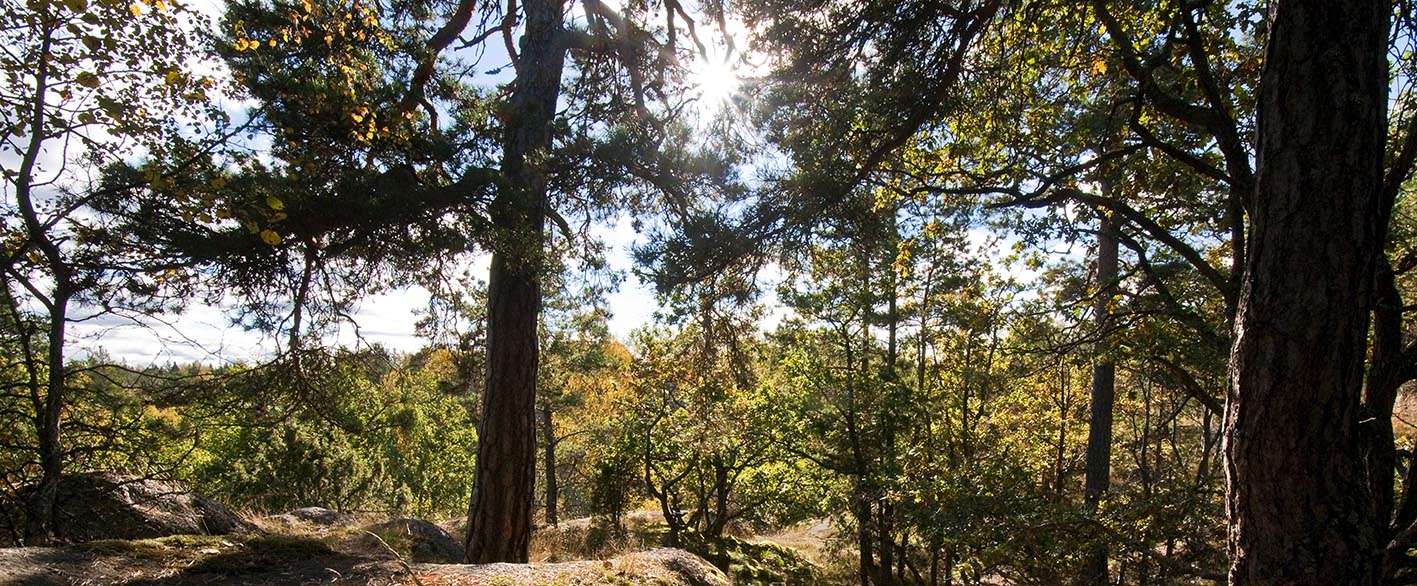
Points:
[[398, 557]]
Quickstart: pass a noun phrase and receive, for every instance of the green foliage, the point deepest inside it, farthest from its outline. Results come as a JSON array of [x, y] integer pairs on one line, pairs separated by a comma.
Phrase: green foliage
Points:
[[394, 439], [706, 434], [111, 425], [292, 466], [614, 483], [363, 431]]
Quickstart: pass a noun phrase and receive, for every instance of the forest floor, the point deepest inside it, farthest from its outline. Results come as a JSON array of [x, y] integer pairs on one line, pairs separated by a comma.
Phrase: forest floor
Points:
[[352, 556], [262, 561]]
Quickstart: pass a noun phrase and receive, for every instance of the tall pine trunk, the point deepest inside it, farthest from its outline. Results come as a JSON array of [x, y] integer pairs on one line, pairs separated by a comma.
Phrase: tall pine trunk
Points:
[[1298, 502], [1098, 466], [499, 517]]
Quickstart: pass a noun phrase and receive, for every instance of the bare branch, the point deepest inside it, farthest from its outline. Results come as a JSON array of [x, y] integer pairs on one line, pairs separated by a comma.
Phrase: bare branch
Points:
[[445, 36]]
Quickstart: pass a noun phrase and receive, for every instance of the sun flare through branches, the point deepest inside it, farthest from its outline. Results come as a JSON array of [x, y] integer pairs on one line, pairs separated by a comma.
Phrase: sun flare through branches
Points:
[[716, 81]]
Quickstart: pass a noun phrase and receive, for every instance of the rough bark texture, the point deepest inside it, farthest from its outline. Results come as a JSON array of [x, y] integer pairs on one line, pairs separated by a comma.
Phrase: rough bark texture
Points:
[[1380, 396], [1297, 499], [1104, 376], [500, 515]]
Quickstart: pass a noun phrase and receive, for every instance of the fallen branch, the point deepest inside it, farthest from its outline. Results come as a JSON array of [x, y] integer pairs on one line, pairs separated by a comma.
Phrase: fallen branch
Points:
[[398, 557]]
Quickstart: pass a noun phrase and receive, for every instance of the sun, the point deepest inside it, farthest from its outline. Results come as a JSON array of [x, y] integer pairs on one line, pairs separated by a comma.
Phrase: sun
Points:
[[715, 82]]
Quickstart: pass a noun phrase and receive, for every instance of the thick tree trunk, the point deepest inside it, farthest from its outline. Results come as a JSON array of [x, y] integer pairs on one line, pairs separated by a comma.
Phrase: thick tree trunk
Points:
[[499, 517], [553, 488], [1298, 502], [1104, 376]]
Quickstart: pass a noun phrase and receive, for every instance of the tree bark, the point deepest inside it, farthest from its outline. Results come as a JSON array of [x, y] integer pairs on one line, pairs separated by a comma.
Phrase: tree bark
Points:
[[861, 507], [885, 542], [1297, 499], [40, 528], [499, 516], [1098, 466], [720, 503], [1380, 396]]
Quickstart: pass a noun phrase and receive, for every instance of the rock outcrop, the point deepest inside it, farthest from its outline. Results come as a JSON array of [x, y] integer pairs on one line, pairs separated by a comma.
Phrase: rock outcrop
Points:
[[424, 541], [658, 567], [97, 506], [315, 516]]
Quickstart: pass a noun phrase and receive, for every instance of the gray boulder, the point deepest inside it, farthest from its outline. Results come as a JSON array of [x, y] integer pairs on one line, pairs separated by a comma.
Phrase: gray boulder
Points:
[[424, 542], [317, 516], [97, 506]]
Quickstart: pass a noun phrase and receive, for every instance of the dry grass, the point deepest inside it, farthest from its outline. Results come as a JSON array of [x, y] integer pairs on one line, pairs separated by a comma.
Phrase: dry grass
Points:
[[811, 538], [1404, 416], [821, 543], [591, 539]]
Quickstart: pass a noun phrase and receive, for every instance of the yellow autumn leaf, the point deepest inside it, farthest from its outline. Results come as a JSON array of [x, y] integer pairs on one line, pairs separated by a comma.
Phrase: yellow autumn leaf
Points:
[[172, 77], [88, 80], [275, 203], [270, 237], [136, 9]]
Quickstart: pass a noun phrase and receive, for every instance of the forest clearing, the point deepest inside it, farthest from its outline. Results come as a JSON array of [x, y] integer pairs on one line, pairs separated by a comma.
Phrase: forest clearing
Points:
[[884, 293]]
